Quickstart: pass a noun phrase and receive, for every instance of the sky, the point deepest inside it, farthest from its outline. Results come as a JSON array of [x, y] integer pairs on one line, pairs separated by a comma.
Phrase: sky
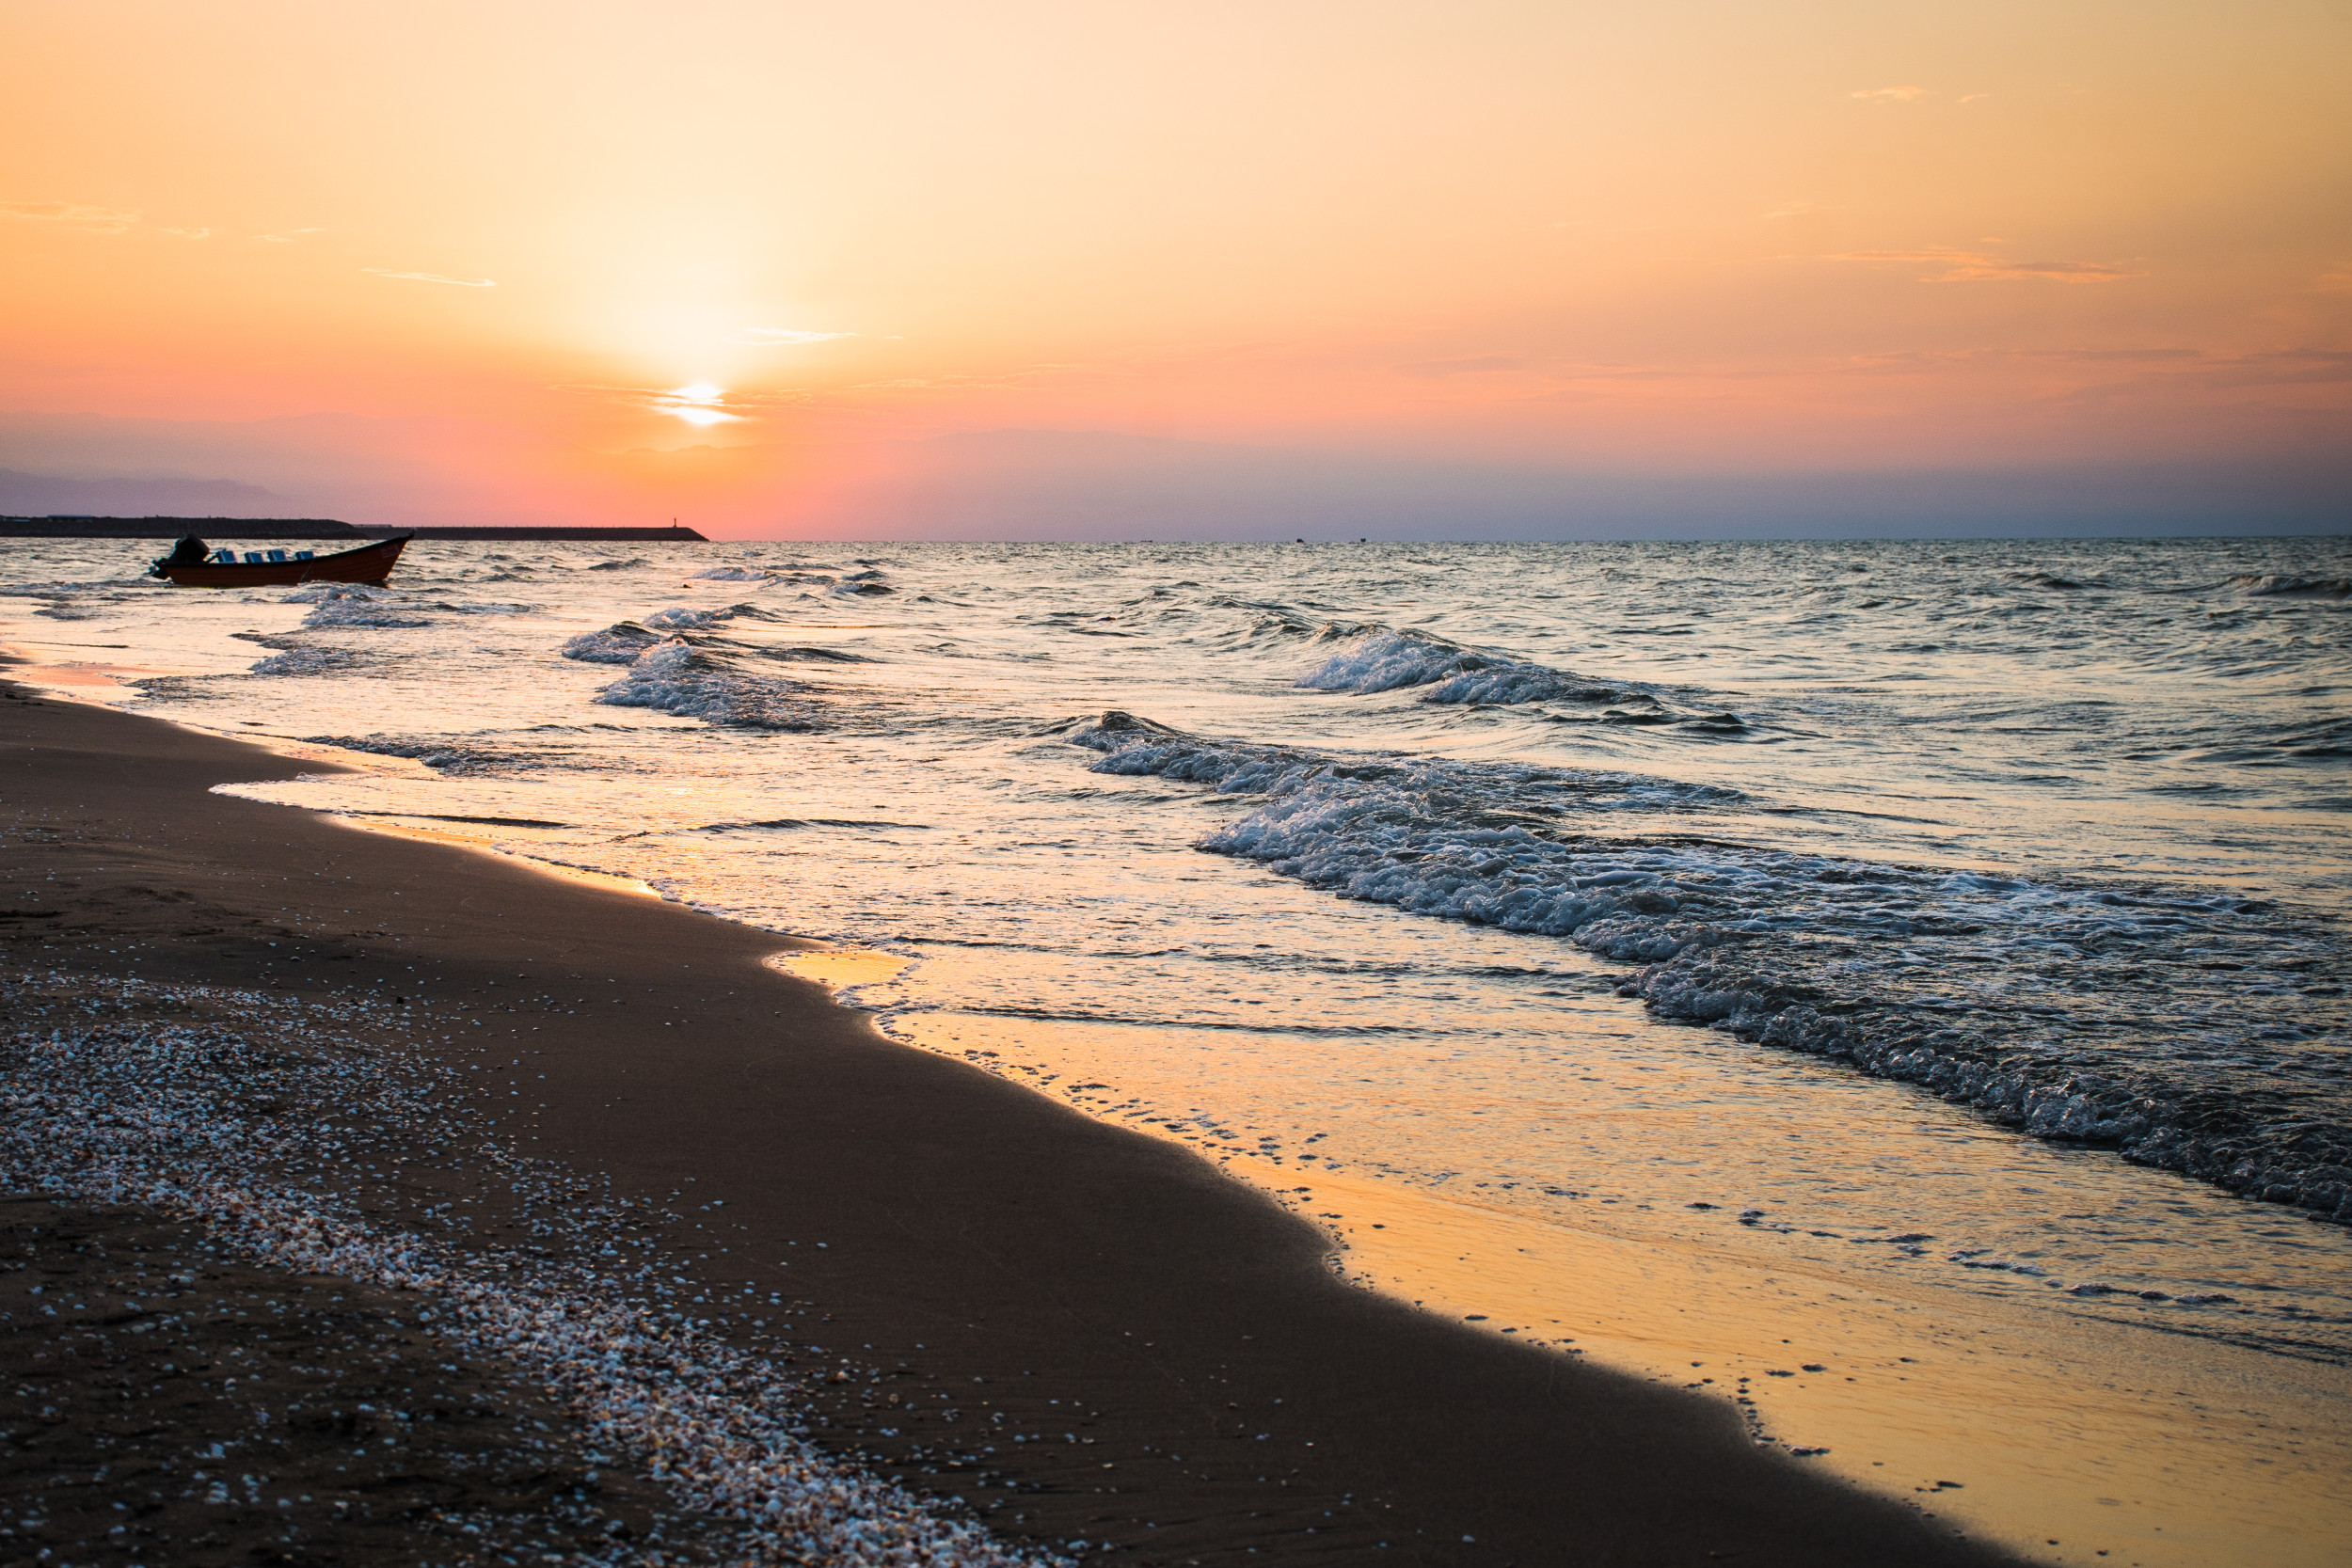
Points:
[[1035, 269]]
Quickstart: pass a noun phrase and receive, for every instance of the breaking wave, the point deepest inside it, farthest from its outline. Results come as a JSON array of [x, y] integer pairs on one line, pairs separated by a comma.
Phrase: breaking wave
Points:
[[442, 755], [678, 677], [2278, 583], [683, 618], [1384, 659], [2160, 1021]]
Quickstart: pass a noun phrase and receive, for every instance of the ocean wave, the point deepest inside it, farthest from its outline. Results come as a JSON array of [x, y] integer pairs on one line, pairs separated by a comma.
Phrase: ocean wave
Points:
[[319, 592], [684, 618], [2052, 580], [618, 644], [48, 590], [2278, 583], [353, 603], [866, 582], [624, 642], [357, 605], [2145, 1019], [1384, 659], [346, 612], [678, 677], [308, 660], [443, 756]]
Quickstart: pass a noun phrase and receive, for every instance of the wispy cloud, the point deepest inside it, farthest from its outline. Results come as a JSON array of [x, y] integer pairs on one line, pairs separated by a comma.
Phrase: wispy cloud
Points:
[[1797, 210], [2336, 282], [101, 220], [781, 336], [1973, 97], [697, 404], [1970, 266], [433, 277], [1890, 95], [2098, 356], [288, 236], [190, 233], [1481, 365]]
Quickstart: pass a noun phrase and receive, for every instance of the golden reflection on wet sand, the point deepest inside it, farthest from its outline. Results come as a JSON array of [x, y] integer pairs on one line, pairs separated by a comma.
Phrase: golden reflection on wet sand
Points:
[[2071, 1437]]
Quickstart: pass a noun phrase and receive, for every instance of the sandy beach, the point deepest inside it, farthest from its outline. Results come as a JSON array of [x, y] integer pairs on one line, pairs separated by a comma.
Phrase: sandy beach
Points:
[[1065, 1331]]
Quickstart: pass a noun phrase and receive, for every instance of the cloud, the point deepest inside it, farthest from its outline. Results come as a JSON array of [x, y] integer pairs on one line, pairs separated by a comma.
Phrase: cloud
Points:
[[288, 236], [1969, 266], [2336, 282], [2284, 368], [1974, 97], [781, 336], [433, 277], [1891, 95], [697, 404], [1484, 363], [2103, 354], [191, 233], [1985, 270], [101, 220]]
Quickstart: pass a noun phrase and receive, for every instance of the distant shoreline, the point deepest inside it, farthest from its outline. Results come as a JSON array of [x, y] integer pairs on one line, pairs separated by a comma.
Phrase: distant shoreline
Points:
[[306, 528]]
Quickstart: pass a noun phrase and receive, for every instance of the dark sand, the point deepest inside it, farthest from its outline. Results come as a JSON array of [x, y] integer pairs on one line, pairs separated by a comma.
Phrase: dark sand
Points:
[[384, 1448], [1032, 1255]]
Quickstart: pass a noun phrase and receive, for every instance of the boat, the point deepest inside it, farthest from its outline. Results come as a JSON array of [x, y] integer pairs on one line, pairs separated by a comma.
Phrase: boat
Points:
[[192, 565]]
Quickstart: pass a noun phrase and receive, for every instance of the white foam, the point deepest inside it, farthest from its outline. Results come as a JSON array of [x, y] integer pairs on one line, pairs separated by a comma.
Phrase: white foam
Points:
[[619, 644], [1905, 972], [1385, 661], [1388, 659], [320, 593], [686, 618], [307, 661], [2272, 584], [683, 619], [679, 678], [350, 610]]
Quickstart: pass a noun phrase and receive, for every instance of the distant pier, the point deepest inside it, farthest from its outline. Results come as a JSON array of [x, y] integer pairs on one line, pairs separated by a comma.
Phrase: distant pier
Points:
[[65, 527]]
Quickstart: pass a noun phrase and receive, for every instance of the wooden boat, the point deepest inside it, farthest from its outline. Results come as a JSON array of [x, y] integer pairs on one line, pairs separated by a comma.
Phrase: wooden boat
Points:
[[268, 568]]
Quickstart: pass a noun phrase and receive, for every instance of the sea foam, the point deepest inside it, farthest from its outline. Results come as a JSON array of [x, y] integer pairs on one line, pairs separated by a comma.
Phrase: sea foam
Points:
[[2134, 1017], [678, 677], [1385, 660]]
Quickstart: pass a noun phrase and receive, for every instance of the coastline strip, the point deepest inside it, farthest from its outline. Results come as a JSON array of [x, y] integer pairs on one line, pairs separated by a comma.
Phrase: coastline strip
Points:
[[1240, 1396]]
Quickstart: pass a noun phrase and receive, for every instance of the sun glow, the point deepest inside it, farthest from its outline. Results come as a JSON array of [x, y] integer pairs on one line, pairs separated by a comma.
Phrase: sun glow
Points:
[[698, 402], [1514, 246]]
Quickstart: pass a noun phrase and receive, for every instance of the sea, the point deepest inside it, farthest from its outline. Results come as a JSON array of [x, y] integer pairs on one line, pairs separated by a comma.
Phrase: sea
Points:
[[1897, 988]]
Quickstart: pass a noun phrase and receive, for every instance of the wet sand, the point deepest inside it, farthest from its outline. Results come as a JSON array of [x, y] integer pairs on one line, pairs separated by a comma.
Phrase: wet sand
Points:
[[1235, 1399]]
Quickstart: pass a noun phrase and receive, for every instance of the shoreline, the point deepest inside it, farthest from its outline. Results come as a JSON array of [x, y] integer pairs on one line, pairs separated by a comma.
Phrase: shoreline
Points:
[[1008, 1237]]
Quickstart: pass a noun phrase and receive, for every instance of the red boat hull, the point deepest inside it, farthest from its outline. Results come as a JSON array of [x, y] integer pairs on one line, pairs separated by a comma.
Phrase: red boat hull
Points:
[[368, 563]]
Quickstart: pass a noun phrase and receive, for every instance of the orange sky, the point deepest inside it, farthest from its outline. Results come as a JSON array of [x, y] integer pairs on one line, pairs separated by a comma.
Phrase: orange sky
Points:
[[1671, 238]]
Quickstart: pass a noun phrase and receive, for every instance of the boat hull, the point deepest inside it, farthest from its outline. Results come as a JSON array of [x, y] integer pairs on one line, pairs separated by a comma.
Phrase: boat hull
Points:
[[368, 563]]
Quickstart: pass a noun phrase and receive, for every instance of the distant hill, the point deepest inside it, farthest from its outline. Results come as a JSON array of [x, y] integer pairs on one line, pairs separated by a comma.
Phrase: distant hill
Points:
[[41, 494]]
